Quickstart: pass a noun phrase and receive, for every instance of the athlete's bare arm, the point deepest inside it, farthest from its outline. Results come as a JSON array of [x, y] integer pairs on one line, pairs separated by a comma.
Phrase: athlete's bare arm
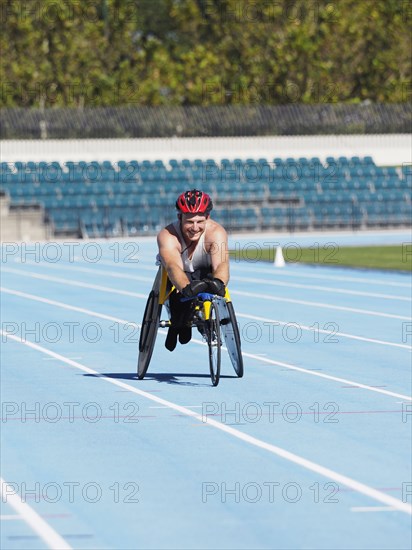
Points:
[[169, 250], [217, 246]]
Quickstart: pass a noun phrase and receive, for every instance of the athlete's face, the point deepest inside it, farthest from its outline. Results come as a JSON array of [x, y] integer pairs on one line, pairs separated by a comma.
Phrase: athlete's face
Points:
[[193, 225]]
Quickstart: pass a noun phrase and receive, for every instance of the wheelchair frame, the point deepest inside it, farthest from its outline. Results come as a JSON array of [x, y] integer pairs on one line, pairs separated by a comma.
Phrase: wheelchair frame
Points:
[[215, 314]]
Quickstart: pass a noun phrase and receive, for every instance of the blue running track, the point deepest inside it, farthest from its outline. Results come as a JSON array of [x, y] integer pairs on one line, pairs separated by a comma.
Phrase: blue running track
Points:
[[310, 449]]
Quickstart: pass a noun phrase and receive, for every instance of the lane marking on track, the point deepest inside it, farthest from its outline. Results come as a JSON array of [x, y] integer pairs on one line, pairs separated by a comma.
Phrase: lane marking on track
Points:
[[274, 272], [97, 272], [132, 277], [68, 306], [164, 407], [51, 358], [289, 367], [234, 292], [373, 509], [318, 304], [240, 315], [290, 273], [326, 376], [324, 289], [278, 451], [70, 282], [322, 331], [247, 280], [50, 537]]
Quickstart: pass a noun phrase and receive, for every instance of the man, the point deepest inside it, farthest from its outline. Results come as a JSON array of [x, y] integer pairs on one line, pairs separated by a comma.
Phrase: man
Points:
[[194, 252]]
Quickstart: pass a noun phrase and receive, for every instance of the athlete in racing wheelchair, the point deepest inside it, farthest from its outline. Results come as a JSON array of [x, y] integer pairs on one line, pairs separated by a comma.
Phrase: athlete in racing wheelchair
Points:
[[191, 283], [194, 252]]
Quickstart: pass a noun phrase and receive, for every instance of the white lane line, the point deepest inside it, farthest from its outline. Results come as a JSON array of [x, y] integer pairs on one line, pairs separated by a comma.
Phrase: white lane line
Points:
[[11, 518], [357, 280], [50, 537], [240, 315], [68, 306], [234, 292], [144, 279], [187, 406], [328, 332], [73, 283], [373, 509], [51, 358], [97, 272], [327, 376], [278, 451], [242, 279], [290, 273], [245, 354], [128, 265], [323, 289], [318, 304]]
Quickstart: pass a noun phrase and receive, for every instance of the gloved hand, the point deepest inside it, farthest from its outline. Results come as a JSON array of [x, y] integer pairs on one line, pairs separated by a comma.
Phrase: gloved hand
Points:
[[192, 289], [214, 285]]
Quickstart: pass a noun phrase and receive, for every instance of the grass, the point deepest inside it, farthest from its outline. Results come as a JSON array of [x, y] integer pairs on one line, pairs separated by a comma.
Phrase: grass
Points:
[[398, 257]]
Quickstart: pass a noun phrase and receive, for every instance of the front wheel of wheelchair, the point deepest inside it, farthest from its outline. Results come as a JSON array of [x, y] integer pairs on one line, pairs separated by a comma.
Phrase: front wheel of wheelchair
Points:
[[214, 343], [148, 332], [231, 334]]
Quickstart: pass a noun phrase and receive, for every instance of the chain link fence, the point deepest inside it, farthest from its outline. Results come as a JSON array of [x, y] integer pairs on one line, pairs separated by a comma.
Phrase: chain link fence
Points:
[[213, 121]]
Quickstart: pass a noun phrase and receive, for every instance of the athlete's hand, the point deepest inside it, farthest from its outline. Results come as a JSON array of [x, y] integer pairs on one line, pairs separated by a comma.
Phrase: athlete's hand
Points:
[[192, 289], [215, 286]]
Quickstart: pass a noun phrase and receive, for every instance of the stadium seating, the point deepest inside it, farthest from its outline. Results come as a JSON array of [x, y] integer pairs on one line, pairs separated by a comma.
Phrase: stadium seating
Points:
[[108, 198]]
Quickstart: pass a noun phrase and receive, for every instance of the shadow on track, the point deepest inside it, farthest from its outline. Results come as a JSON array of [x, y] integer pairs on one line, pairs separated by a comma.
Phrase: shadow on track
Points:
[[167, 378]]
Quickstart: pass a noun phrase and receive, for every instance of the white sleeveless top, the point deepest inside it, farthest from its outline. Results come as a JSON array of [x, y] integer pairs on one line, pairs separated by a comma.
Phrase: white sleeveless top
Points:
[[200, 257]]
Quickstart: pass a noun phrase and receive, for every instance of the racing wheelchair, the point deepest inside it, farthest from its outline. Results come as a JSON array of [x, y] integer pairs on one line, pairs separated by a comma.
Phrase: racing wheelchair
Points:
[[214, 317]]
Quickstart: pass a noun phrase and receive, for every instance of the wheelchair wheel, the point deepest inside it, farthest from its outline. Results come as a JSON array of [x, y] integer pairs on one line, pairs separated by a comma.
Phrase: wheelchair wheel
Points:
[[148, 332], [231, 335], [214, 343]]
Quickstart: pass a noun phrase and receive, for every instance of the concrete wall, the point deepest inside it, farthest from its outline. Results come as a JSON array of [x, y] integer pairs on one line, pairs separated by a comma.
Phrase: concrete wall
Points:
[[21, 225], [386, 149]]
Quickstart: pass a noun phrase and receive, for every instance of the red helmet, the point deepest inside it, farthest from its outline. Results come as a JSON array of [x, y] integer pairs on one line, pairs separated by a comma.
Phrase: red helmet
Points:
[[194, 202]]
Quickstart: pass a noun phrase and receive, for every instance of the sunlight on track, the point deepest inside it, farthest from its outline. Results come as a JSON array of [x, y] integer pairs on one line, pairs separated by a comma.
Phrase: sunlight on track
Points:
[[323, 387]]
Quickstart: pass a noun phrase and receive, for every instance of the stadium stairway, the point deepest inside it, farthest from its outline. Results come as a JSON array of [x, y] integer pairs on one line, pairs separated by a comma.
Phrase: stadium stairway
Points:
[[26, 223]]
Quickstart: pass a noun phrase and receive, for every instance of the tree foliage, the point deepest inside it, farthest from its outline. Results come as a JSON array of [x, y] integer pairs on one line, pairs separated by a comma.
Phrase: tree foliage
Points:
[[203, 52]]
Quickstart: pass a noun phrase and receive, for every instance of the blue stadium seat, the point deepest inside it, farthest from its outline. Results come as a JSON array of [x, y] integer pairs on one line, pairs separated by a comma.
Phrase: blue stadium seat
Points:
[[142, 194]]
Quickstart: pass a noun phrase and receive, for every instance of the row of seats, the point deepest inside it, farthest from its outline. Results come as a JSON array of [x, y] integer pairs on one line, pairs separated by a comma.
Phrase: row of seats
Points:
[[252, 191], [244, 218], [186, 163], [308, 198], [140, 222], [242, 173], [210, 186], [300, 193]]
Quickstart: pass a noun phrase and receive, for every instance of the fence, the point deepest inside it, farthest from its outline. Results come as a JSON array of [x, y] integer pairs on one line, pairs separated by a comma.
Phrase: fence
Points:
[[236, 120]]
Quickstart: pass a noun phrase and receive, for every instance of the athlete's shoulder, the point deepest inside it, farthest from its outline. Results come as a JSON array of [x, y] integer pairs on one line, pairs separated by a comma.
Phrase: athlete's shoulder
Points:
[[216, 236], [167, 235], [214, 228]]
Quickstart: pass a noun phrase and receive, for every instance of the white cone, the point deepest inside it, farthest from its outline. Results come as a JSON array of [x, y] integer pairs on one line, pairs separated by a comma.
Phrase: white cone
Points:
[[279, 259]]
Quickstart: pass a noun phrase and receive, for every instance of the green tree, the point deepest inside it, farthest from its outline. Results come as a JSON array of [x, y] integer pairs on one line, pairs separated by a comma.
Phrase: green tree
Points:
[[203, 52]]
